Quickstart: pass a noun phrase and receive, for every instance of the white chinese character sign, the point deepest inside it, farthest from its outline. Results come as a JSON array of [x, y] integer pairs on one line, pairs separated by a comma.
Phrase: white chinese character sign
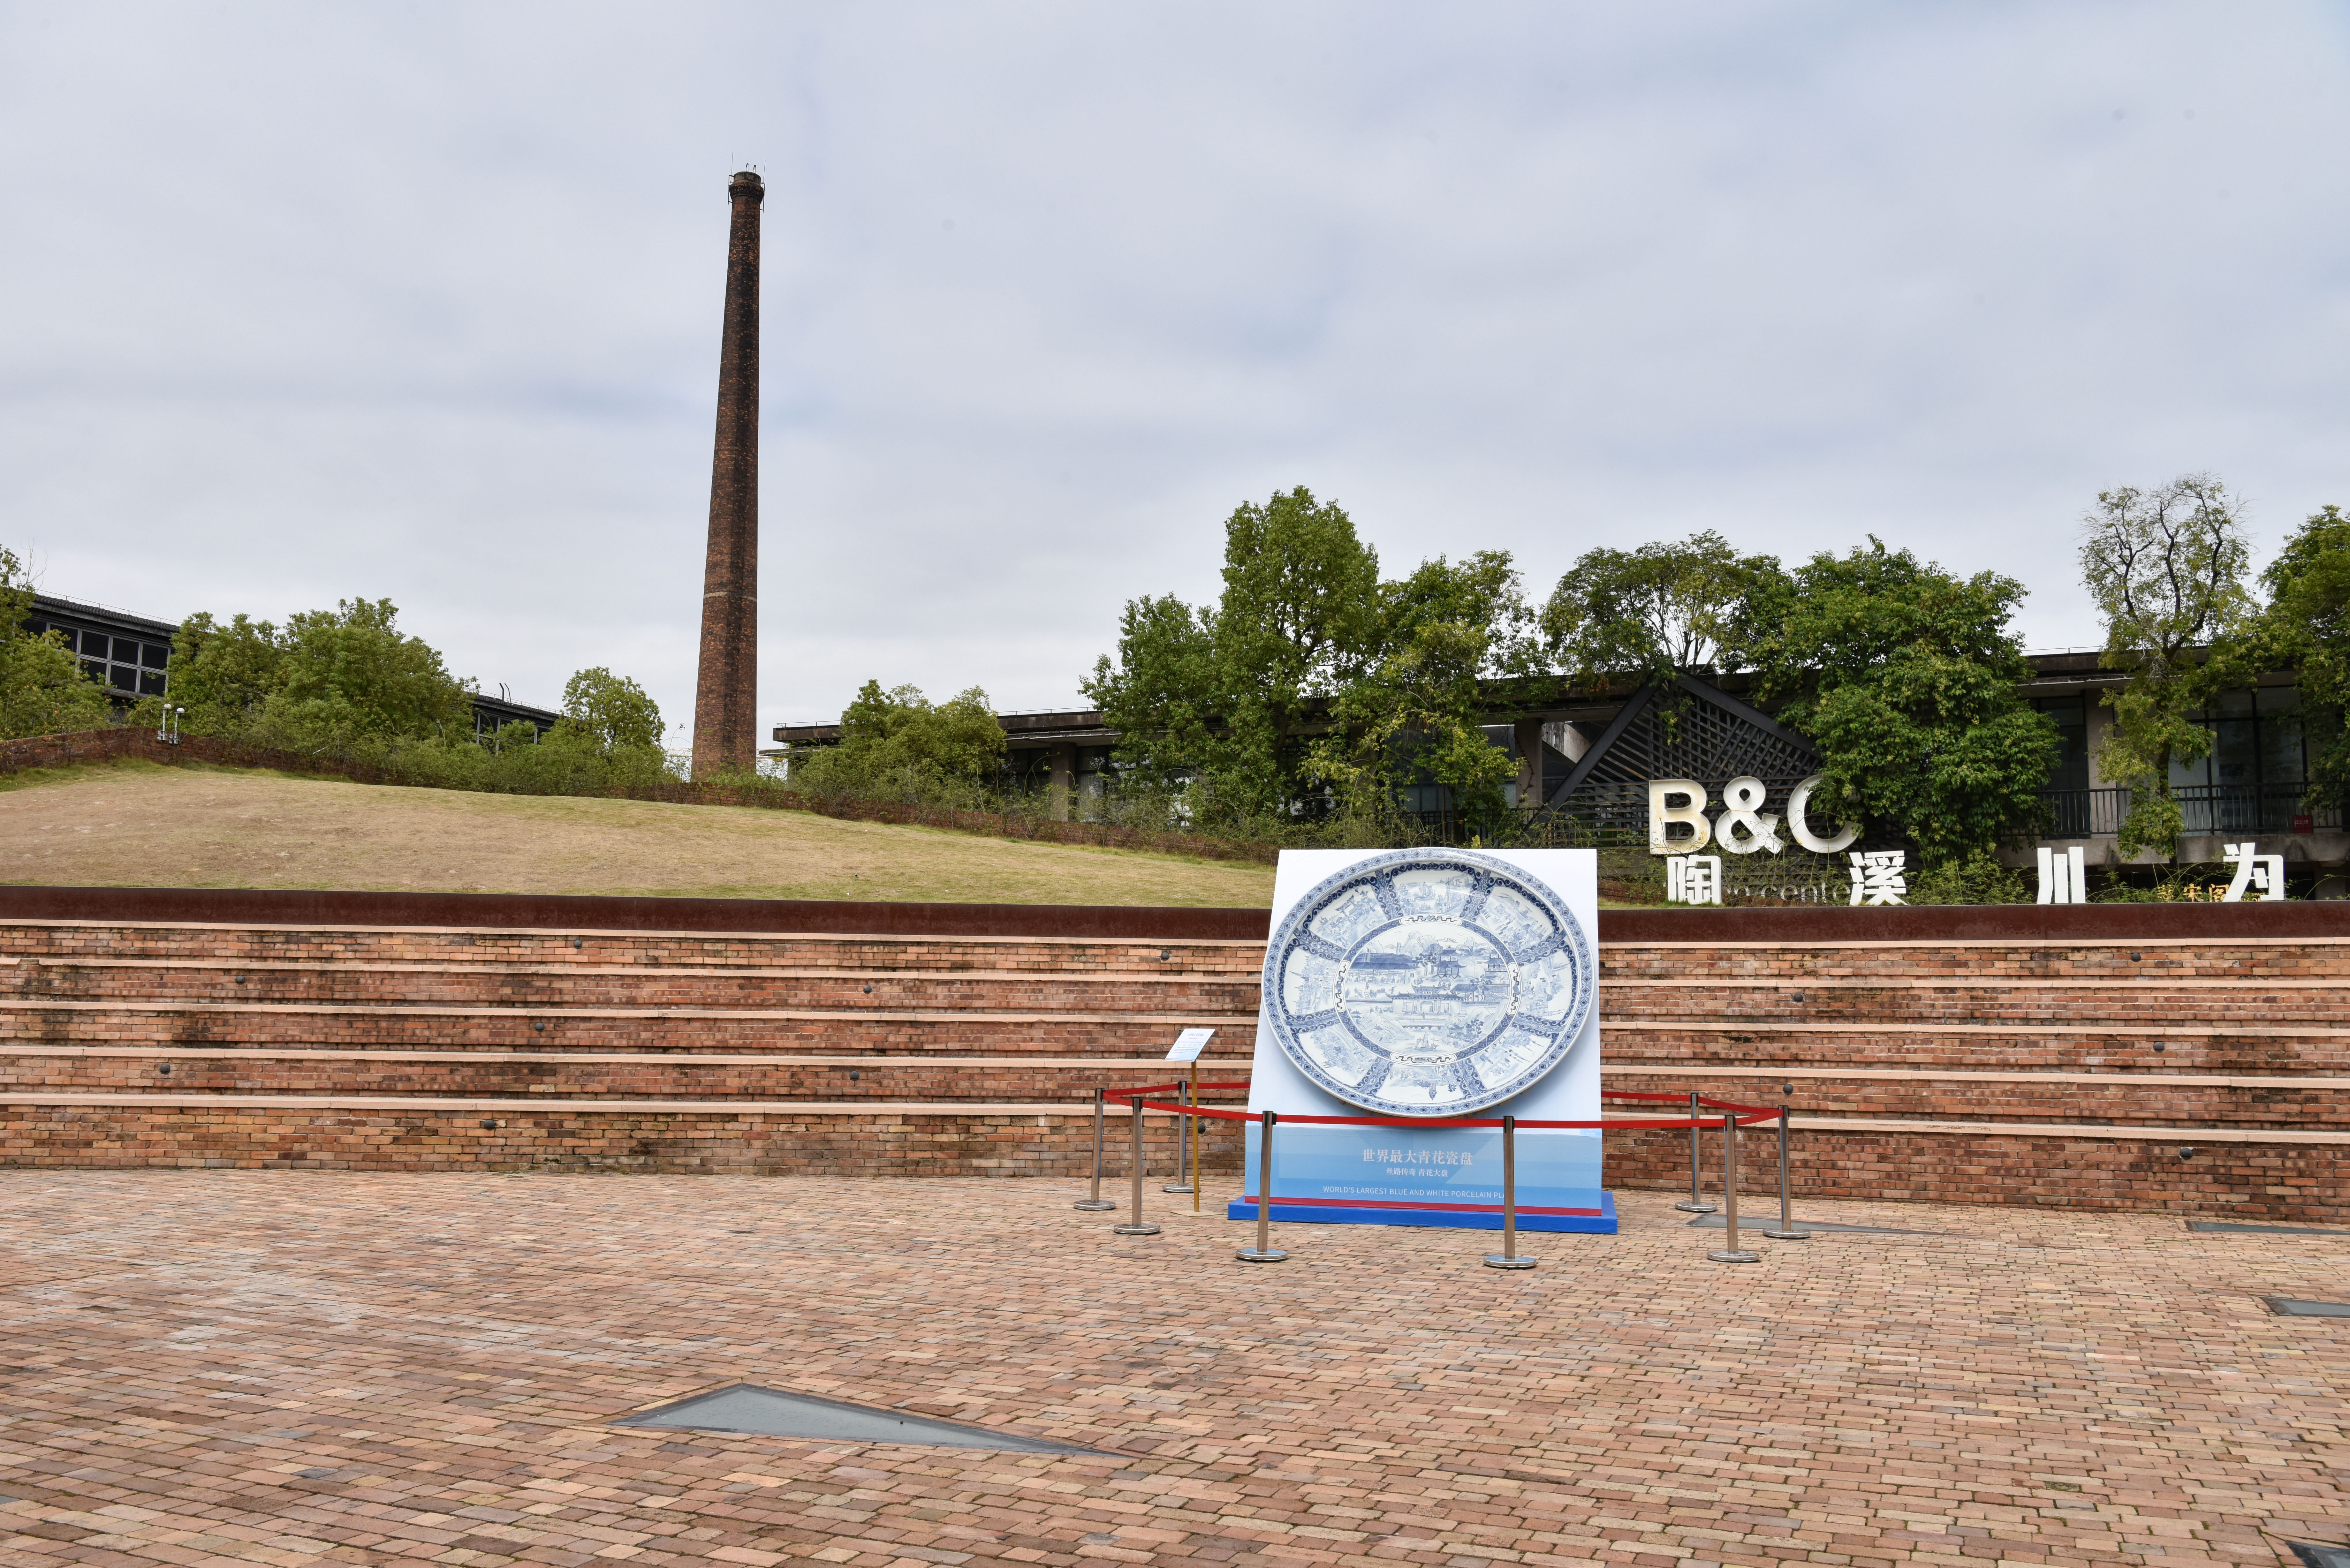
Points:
[[1693, 880], [2064, 875], [1422, 984], [2255, 873], [1877, 876]]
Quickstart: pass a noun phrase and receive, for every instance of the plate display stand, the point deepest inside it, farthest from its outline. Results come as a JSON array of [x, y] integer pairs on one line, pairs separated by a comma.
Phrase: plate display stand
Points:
[[1416, 986]]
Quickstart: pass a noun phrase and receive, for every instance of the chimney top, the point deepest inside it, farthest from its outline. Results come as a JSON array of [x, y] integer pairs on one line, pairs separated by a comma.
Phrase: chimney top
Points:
[[747, 181]]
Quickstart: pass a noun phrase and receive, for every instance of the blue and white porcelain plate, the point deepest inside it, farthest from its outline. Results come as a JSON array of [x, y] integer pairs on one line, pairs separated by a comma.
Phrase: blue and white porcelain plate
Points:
[[1429, 983]]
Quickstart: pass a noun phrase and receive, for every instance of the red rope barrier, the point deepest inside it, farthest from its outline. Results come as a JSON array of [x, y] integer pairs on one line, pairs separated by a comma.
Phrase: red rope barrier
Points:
[[1747, 1116]]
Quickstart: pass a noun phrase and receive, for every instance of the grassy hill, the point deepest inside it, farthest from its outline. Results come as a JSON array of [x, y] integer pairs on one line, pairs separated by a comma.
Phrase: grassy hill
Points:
[[138, 825]]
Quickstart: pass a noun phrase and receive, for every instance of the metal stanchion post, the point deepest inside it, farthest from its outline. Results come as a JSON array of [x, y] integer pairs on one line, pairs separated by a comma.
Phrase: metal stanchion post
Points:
[[1696, 1205], [1787, 1230], [1507, 1258], [1265, 1251], [1196, 1130], [1135, 1226], [1733, 1252], [1185, 1154], [1096, 1200]]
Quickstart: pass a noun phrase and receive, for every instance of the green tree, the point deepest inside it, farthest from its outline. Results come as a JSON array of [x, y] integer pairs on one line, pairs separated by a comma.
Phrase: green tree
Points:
[[223, 675], [610, 713], [1164, 693], [2306, 628], [2166, 569], [42, 688], [349, 674], [899, 742], [326, 680], [1665, 608], [1447, 630], [1228, 696], [1907, 677]]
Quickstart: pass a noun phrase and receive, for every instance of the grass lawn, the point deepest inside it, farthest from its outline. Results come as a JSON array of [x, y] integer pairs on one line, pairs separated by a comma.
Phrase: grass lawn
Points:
[[138, 824]]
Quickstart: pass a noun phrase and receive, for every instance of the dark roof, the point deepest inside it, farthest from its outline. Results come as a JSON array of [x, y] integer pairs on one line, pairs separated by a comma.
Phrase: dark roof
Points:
[[510, 711], [47, 606]]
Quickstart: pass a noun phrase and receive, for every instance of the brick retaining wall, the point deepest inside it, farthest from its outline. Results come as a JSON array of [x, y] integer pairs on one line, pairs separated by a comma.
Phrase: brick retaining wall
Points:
[[1932, 1055]]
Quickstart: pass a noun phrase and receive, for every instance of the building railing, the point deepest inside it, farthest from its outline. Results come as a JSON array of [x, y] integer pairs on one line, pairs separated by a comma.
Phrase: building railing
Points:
[[2085, 813], [2203, 809], [2251, 808]]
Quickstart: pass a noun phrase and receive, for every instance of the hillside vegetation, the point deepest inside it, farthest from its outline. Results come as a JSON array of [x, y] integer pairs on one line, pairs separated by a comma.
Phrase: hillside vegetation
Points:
[[138, 824]]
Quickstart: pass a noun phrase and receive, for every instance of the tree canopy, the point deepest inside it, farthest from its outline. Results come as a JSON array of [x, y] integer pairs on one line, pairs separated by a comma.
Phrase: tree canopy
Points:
[[1906, 676], [329, 680], [1223, 697], [2307, 627], [2166, 567], [899, 742], [42, 690], [1417, 711], [610, 713], [1647, 614]]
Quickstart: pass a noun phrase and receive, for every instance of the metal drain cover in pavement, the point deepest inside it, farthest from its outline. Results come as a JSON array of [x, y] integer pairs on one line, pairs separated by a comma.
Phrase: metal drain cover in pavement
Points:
[[2229, 1226], [771, 1413], [2285, 1307]]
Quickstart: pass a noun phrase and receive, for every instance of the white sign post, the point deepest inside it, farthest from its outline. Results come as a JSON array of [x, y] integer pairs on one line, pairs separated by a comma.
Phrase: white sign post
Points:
[[1186, 1049]]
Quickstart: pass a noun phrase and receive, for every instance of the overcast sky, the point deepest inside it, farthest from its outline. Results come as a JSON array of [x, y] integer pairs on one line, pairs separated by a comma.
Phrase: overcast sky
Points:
[[422, 301]]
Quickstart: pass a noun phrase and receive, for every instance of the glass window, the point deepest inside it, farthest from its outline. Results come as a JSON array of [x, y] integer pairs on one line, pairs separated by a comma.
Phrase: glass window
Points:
[[95, 668], [2235, 752], [96, 642], [2281, 750], [154, 655], [150, 683], [2274, 699], [2072, 719], [2232, 703], [126, 649], [126, 678]]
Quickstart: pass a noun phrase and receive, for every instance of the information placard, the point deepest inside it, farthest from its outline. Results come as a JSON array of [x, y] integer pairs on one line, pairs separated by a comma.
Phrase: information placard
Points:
[[1190, 1043]]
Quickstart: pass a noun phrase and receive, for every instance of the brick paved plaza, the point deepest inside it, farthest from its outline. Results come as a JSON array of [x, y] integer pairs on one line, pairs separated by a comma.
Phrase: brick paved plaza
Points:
[[218, 1367]]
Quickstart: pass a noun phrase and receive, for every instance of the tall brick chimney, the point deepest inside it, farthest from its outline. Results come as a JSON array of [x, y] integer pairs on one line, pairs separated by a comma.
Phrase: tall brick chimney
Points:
[[726, 692]]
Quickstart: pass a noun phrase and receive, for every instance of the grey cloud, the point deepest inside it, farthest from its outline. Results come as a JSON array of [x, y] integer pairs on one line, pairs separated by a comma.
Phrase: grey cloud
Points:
[[307, 302]]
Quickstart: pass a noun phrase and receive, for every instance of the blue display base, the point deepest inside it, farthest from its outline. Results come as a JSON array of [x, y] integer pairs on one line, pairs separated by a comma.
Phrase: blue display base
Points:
[[1306, 1212]]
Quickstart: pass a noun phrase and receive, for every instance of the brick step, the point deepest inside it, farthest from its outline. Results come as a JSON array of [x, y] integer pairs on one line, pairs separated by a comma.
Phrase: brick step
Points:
[[602, 1028], [1969, 1047], [541, 987], [2310, 958], [2305, 1104], [2247, 1174], [2042, 1010], [698, 1076], [2313, 1102], [67, 941]]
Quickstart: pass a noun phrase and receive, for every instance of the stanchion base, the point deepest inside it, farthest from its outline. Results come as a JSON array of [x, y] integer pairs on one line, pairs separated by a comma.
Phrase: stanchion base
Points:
[[1178, 1187], [1739, 1256], [1791, 1235], [1094, 1205], [1698, 1208], [1134, 1229], [1270, 1255], [1495, 1260]]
